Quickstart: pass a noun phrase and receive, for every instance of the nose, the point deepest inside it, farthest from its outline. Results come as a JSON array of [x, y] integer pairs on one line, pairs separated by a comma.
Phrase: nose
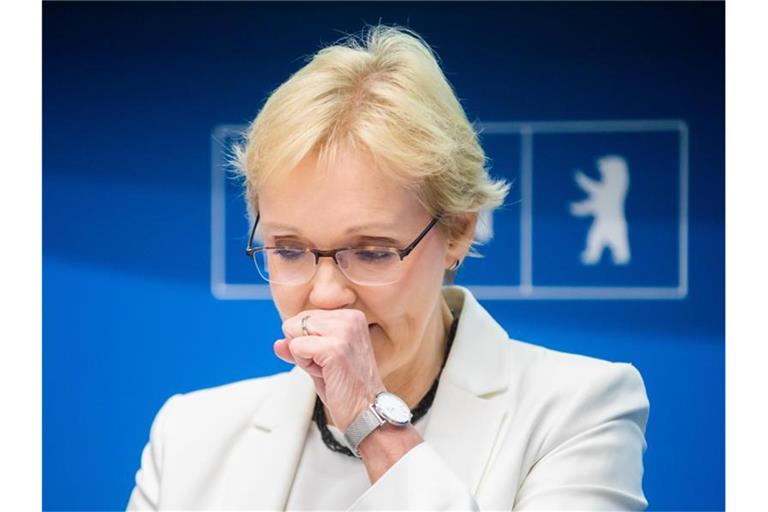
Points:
[[330, 287]]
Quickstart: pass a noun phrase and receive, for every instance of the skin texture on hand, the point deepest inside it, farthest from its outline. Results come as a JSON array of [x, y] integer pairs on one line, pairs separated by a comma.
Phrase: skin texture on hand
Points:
[[339, 357]]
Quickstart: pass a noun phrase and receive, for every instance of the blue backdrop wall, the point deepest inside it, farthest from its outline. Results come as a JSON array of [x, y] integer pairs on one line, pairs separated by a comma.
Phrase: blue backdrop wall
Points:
[[145, 293]]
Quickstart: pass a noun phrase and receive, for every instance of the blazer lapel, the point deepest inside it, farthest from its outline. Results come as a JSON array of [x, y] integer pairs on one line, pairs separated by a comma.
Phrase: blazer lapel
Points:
[[469, 408], [266, 458]]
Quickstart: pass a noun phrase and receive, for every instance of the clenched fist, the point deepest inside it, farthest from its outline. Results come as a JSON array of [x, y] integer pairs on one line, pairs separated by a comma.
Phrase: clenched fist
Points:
[[339, 357]]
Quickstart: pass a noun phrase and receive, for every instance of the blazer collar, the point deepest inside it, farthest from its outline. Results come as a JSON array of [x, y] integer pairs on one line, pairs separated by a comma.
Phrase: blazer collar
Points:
[[469, 407], [475, 363], [463, 423]]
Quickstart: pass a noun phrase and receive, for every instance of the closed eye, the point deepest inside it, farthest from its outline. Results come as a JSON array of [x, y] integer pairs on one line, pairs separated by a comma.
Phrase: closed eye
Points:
[[368, 255]]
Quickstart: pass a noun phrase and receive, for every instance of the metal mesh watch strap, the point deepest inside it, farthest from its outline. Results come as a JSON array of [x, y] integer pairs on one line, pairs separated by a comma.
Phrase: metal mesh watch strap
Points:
[[365, 423]]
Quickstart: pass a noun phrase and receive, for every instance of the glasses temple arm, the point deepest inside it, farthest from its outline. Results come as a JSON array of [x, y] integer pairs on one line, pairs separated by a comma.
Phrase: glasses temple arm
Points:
[[249, 248]]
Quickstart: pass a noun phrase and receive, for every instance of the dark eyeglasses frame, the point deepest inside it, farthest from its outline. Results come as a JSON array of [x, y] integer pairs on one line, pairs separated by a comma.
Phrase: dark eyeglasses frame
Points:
[[250, 250]]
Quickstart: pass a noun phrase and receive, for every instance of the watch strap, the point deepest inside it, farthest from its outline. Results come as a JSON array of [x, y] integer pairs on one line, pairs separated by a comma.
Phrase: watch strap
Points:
[[365, 423]]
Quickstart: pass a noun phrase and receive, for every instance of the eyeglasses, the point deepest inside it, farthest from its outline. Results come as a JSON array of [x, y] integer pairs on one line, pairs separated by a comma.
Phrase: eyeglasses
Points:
[[367, 265]]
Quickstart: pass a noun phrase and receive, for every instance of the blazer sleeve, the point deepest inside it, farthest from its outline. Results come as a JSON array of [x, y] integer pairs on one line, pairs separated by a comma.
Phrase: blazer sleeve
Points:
[[592, 456], [420, 480], [146, 492]]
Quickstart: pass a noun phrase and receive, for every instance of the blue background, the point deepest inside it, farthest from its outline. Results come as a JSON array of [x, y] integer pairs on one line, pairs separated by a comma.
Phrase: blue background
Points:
[[132, 92]]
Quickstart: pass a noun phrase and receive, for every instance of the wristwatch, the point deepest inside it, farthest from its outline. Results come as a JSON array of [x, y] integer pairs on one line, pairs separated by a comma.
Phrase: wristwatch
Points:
[[386, 408]]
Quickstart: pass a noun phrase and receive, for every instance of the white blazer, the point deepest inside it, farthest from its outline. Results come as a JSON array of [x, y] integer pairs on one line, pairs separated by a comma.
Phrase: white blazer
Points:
[[512, 426]]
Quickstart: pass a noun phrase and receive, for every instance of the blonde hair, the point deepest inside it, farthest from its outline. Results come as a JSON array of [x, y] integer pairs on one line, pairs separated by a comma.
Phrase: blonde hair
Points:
[[385, 94]]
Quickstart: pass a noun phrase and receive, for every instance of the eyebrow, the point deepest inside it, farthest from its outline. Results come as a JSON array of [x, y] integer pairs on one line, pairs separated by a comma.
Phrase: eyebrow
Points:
[[382, 239], [352, 230]]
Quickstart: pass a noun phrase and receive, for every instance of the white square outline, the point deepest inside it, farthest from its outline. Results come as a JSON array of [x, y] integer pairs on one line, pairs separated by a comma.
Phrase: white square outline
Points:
[[526, 290]]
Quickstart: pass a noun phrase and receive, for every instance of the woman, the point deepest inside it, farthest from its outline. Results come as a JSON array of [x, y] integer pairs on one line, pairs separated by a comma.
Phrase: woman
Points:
[[365, 180]]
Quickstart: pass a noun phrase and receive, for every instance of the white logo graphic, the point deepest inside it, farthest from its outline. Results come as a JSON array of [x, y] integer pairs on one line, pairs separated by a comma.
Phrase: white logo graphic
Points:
[[605, 202]]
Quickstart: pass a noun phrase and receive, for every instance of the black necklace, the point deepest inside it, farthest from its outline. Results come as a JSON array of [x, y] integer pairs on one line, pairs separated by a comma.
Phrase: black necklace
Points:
[[418, 412]]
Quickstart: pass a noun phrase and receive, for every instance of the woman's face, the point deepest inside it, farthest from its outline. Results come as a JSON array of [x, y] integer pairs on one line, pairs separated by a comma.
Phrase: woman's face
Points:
[[319, 209]]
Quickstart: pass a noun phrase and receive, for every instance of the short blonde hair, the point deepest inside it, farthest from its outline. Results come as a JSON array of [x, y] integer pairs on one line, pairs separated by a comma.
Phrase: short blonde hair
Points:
[[385, 94]]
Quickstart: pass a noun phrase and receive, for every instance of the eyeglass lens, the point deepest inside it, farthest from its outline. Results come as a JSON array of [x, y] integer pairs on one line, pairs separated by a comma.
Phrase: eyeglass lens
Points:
[[368, 266]]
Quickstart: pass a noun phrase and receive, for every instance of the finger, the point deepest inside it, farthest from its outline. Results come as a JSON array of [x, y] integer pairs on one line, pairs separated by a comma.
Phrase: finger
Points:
[[292, 327], [281, 350], [308, 352], [309, 347], [309, 366]]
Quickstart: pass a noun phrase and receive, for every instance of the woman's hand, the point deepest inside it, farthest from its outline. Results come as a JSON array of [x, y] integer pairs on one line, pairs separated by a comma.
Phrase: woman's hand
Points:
[[339, 357]]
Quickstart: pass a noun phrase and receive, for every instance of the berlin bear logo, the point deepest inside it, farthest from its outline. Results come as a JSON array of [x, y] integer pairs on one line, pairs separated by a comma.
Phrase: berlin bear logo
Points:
[[605, 202]]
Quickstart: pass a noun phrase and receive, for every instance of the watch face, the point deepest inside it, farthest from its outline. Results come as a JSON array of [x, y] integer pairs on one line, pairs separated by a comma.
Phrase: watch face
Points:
[[392, 408]]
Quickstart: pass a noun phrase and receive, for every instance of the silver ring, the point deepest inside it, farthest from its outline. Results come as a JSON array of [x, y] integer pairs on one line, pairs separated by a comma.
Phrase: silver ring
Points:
[[304, 326]]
